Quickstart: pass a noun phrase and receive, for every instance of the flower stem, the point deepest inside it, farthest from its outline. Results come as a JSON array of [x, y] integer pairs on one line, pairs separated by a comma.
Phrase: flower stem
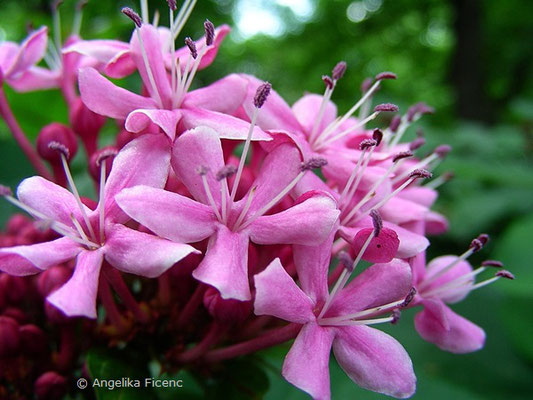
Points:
[[211, 338], [191, 306]]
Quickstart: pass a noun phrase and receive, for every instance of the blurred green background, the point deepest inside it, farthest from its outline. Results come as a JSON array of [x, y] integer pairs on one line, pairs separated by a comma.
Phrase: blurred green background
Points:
[[470, 59]]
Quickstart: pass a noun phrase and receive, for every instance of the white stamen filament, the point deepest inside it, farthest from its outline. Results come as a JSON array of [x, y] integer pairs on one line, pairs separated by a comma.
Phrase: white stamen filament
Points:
[[79, 228], [432, 277], [76, 25], [335, 124], [148, 69], [224, 195], [178, 95], [194, 69], [404, 124], [437, 182], [421, 164], [365, 313], [352, 177], [244, 154], [459, 282], [210, 198], [340, 135], [57, 28], [54, 52], [345, 275], [172, 53], [101, 201], [318, 120], [144, 11], [155, 21], [245, 209], [76, 194], [183, 16], [359, 177], [327, 321]]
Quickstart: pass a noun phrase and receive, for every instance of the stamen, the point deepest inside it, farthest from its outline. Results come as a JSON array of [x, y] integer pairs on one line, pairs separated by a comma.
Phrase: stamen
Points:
[[445, 177], [327, 81], [225, 172], [339, 70], [367, 143], [402, 155], [192, 47], [505, 274], [386, 107], [346, 260], [396, 314], [313, 163], [262, 94], [376, 221], [478, 243], [362, 123], [327, 321], [500, 274], [366, 85], [421, 164], [209, 32], [349, 190], [78, 16], [377, 135], [244, 211], [183, 16], [79, 228], [144, 11], [172, 5], [409, 298], [105, 154], [57, 23], [155, 20], [128, 12], [395, 123], [442, 150], [386, 75], [61, 148], [202, 171], [420, 173], [492, 263], [101, 199], [5, 191], [417, 143]]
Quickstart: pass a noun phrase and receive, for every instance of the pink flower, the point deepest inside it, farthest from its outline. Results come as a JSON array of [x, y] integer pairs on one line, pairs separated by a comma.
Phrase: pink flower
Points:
[[92, 236], [198, 161], [371, 358]]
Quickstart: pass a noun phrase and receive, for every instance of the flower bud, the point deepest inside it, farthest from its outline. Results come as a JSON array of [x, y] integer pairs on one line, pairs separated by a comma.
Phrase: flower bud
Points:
[[16, 313], [15, 288], [16, 223], [226, 311], [53, 278], [56, 134], [86, 124], [9, 337], [33, 340], [50, 386], [54, 315]]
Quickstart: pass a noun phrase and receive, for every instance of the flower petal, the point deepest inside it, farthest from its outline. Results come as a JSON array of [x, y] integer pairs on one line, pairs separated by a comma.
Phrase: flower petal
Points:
[[458, 335], [143, 161], [307, 363], [28, 260], [306, 111], [375, 361], [77, 297], [460, 269], [101, 50], [381, 249], [278, 295], [309, 222], [30, 51], [142, 254], [167, 120], [377, 285], [35, 78], [168, 214], [105, 98], [225, 265]]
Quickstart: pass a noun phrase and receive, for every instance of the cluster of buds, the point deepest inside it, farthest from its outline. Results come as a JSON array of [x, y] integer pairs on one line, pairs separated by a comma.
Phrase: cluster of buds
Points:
[[207, 249]]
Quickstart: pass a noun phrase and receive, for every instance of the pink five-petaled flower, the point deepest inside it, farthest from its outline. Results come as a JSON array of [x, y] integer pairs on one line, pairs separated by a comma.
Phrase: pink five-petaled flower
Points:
[[371, 358], [95, 236], [197, 160]]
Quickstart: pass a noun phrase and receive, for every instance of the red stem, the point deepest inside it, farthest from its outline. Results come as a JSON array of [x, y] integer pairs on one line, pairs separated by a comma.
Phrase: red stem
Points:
[[20, 137], [270, 338], [117, 283], [109, 304], [210, 339], [164, 289], [191, 306]]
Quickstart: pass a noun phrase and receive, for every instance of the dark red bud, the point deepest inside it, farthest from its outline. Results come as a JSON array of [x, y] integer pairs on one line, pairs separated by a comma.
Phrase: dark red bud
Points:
[[53, 278], [17, 314], [86, 124], [9, 337], [50, 386], [226, 311], [56, 139], [17, 223], [33, 340], [15, 288]]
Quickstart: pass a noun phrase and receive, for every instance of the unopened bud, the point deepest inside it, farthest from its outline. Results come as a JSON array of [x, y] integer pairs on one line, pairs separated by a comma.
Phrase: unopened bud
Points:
[[9, 337], [50, 386], [56, 139], [53, 278], [226, 311], [86, 124], [33, 340]]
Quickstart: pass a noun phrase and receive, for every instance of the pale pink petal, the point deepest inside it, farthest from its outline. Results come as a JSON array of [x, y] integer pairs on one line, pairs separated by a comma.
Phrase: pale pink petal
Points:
[[306, 111], [140, 253], [52, 200], [377, 285], [312, 264], [121, 65], [77, 297], [226, 126], [30, 52], [198, 148], [460, 269], [312, 182], [375, 361], [309, 222], [8, 52], [168, 214], [400, 211], [105, 98], [28, 260], [275, 113], [167, 120], [143, 161], [436, 223], [278, 295], [225, 95], [102, 51], [306, 365], [151, 44], [420, 195], [225, 265], [459, 335], [339, 170]]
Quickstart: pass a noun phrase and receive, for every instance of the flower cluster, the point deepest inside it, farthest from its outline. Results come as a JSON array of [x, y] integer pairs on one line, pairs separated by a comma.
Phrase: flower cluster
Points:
[[227, 242]]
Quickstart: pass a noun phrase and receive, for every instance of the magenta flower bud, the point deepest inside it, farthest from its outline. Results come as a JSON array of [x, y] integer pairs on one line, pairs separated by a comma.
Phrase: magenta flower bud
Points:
[[9, 337], [15, 288], [54, 315], [107, 155], [52, 279], [16, 313], [339, 70], [226, 311], [55, 139], [50, 386], [33, 340], [128, 12], [86, 124], [17, 223]]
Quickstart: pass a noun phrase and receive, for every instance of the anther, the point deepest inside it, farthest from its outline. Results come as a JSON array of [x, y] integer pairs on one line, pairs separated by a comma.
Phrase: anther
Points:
[[442, 150], [367, 143], [395, 123], [339, 70], [492, 263], [386, 107], [225, 172], [346, 260], [313, 163], [401, 155], [396, 314], [5, 191], [420, 173], [377, 222], [505, 274], [423, 108], [409, 298], [128, 12], [209, 32], [366, 85], [60, 148], [261, 94], [202, 170], [172, 4], [192, 47], [476, 245], [105, 154], [377, 135], [417, 143], [327, 81], [386, 75]]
